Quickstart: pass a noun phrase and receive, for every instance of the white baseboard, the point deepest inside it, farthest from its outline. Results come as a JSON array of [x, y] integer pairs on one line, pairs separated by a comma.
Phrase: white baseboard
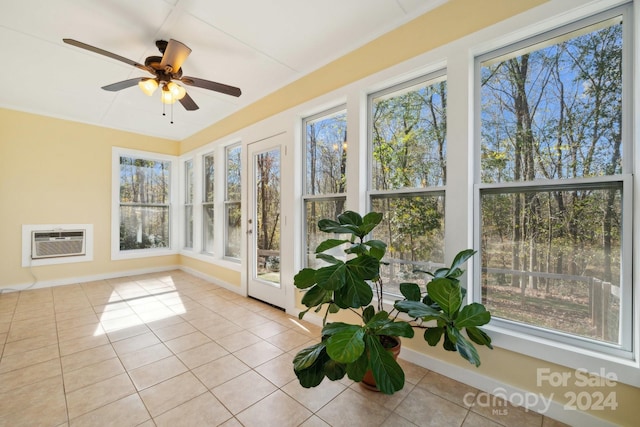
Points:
[[37, 284], [515, 395], [226, 285]]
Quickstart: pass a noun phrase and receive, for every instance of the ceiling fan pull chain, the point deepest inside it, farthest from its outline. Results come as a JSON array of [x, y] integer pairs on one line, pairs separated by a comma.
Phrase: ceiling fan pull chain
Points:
[[171, 113]]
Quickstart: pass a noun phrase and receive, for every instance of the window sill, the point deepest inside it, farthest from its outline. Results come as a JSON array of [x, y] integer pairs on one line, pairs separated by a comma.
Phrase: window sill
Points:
[[212, 259], [141, 253]]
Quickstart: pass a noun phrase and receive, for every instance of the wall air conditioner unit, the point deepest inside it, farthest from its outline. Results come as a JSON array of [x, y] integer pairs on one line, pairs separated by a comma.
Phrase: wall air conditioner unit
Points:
[[57, 243]]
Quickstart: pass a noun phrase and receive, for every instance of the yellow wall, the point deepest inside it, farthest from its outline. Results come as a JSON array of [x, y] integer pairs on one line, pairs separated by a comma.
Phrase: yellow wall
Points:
[[225, 275], [59, 172]]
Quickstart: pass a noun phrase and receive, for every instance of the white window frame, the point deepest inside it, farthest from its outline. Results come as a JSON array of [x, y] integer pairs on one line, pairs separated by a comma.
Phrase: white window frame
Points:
[[186, 202], [545, 344], [227, 203], [116, 253], [429, 78], [204, 203], [321, 197]]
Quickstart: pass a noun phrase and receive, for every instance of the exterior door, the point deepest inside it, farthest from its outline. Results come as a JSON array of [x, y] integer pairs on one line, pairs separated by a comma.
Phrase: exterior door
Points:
[[264, 221]]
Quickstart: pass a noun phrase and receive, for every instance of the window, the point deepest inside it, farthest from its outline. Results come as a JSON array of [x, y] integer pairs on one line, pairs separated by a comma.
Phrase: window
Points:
[[233, 213], [325, 183], [144, 213], [188, 204], [208, 203], [407, 131], [553, 185]]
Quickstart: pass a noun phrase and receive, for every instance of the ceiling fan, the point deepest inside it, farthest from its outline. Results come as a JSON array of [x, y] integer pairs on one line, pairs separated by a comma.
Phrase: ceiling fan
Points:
[[165, 69]]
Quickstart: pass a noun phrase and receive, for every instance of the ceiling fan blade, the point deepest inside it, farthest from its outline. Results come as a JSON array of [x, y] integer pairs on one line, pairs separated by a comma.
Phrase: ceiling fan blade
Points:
[[188, 103], [206, 84], [105, 53], [122, 85], [174, 55]]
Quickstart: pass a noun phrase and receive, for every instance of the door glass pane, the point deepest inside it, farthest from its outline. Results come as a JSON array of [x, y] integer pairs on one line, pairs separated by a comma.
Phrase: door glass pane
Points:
[[267, 172]]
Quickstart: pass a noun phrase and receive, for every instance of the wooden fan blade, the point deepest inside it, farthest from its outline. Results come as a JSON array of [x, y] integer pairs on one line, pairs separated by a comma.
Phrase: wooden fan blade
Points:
[[174, 55], [188, 103], [206, 84], [121, 85], [106, 53]]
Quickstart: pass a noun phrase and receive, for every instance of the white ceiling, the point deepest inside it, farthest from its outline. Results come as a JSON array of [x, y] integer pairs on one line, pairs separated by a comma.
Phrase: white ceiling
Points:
[[257, 45]]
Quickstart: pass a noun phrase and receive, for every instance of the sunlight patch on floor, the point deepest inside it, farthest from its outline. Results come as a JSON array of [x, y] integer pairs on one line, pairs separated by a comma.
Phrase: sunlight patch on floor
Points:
[[131, 305]]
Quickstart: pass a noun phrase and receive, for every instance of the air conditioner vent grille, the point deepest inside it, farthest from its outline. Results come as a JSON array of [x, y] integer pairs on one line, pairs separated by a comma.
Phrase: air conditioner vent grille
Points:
[[54, 243]]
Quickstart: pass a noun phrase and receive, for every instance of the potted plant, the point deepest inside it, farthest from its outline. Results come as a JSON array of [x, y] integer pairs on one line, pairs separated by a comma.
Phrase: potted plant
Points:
[[353, 349]]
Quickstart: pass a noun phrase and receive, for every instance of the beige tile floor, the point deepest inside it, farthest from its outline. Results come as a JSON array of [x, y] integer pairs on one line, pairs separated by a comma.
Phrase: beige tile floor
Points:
[[170, 349]]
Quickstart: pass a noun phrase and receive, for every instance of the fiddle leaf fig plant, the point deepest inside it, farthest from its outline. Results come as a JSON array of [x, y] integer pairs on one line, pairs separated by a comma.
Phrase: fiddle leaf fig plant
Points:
[[442, 303], [348, 283]]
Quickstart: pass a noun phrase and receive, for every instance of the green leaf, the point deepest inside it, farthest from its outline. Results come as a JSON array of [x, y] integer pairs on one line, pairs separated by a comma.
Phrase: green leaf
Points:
[[357, 249], [331, 277], [365, 267], [418, 309], [334, 370], [479, 336], [368, 313], [377, 248], [330, 244], [336, 327], [446, 293], [302, 313], [355, 293], [473, 314], [461, 258], [448, 344], [387, 372], [378, 319], [433, 335], [410, 291], [441, 272], [305, 278], [328, 258], [465, 347], [312, 375], [396, 329], [346, 346], [371, 219], [350, 218], [307, 357], [330, 226], [316, 296], [357, 369]]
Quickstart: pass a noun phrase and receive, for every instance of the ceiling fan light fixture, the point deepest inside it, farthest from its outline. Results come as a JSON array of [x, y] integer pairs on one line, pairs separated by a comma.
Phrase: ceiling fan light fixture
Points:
[[167, 96], [148, 86], [178, 91]]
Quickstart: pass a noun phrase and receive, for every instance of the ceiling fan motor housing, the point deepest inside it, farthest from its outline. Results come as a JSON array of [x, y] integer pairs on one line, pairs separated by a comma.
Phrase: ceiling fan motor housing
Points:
[[161, 74]]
